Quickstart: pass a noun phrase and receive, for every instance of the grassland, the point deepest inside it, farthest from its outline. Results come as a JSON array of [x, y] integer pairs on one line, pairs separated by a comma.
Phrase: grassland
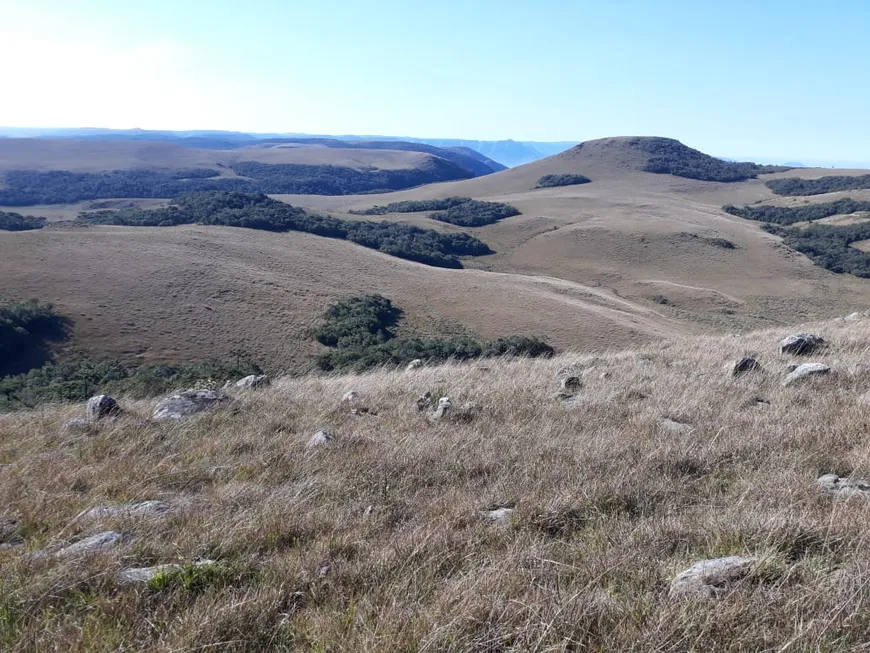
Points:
[[378, 541]]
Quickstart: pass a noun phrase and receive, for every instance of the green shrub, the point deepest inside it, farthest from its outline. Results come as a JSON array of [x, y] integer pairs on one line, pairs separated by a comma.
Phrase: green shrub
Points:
[[829, 246], [551, 181], [786, 215], [669, 156], [796, 186], [360, 332], [26, 329], [414, 206]]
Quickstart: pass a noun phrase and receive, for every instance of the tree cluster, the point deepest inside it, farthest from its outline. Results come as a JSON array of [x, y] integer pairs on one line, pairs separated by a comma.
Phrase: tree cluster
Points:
[[476, 213], [257, 211], [795, 186], [18, 222], [669, 156], [829, 246], [551, 181], [26, 330], [414, 206], [786, 215], [361, 334]]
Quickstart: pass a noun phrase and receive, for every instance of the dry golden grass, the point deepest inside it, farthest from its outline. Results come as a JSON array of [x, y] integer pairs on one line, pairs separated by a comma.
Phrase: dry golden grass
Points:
[[375, 541]]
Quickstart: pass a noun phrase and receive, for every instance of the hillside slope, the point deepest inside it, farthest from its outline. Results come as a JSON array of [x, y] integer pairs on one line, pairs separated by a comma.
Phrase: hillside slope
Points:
[[533, 523]]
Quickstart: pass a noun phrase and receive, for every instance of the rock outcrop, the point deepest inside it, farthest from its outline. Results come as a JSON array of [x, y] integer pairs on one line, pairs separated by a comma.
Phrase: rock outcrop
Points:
[[189, 402], [798, 344], [710, 578]]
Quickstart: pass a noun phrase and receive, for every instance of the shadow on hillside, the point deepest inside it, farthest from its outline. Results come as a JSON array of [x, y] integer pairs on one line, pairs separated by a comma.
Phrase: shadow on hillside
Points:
[[25, 349]]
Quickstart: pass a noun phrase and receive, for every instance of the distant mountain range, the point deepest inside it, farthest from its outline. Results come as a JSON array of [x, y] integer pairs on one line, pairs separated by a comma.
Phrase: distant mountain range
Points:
[[507, 152]]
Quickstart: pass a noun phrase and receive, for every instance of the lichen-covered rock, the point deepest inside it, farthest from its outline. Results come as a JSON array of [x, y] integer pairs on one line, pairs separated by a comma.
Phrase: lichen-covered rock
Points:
[[350, 397], [806, 370], [94, 544], [843, 486], [189, 402], [445, 406], [138, 509], [800, 343], [498, 515], [101, 406], [709, 578], [146, 574], [321, 438], [251, 382]]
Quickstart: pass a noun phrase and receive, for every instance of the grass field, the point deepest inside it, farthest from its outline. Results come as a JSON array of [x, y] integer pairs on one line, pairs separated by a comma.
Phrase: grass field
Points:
[[379, 540]]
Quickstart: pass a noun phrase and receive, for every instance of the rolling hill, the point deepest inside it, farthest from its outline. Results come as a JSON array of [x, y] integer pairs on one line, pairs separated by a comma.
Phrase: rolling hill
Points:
[[630, 257]]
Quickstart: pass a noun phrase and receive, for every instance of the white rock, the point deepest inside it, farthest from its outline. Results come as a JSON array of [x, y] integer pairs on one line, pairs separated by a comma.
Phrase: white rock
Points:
[[414, 365], [843, 486], [187, 403], [252, 381], [139, 509], [804, 371], [350, 397], [675, 427], [708, 578], [78, 424], [145, 574], [321, 438], [93, 544], [498, 515], [443, 409]]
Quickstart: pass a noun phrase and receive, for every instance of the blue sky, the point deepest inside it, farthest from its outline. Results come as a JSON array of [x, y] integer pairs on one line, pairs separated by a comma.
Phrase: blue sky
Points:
[[736, 78]]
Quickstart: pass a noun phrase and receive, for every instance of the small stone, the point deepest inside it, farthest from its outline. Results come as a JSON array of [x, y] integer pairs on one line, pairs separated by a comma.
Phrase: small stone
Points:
[[498, 515], [426, 401], [443, 409], [140, 509], [800, 343], [101, 406], [843, 486], [804, 371], [414, 365], [78, 424], [674, 426], [94, 544], [350, 397], [744, 365], [709, 578], [146, 574], [321, 438], [572, 383], [187, 403]]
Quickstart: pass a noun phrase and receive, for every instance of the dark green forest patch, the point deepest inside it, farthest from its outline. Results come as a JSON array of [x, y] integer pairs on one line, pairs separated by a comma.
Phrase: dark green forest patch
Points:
[[552, 181], [795, 186]]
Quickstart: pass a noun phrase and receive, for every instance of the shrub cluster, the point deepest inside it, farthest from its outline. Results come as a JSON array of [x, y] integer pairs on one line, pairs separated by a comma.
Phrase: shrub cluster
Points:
[[361, 333], [414, 206], [476, 213], [786, 215], [796, 186], [18, 222], [829, 246], [29, 187], [551, 181], [80, 380], [669, 156], [257, 211]]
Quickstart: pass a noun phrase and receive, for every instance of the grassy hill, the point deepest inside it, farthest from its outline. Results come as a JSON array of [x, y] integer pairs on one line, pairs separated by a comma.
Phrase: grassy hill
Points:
[[533, 523]]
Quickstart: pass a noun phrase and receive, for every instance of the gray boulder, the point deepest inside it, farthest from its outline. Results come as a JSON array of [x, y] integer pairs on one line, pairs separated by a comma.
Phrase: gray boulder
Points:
[[187, 403], [145, 574], [101, 406], [251, 381], [674, 426], [414, 365], [843, 486], [744, 365], [445, 406], [425, 402], [806, 370], [572, 383], [800, 343], [497, 515], [709, 578], [78, 424], [350, 397], [94, 544], [321, 438], [139, 509]]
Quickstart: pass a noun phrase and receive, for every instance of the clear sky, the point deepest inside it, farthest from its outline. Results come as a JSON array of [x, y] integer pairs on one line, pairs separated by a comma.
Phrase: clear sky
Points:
[[732, 77]]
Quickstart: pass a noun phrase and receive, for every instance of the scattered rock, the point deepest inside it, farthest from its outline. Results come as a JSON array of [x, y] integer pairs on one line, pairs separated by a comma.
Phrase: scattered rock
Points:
[[565, 397], [572, 383], [321, 438], [139, 509], [145, 574], [101, 406], [78, 424], [350, 397], [500, 515], [854, 317], [93, 544], [425, 402], [443, 409], [414, 365], [800, 343], [674, 426], [709, 578], [843, 486], [10, 532], [187, 403], [363, 410], [249, 382], [806, 370], [744, 365]]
